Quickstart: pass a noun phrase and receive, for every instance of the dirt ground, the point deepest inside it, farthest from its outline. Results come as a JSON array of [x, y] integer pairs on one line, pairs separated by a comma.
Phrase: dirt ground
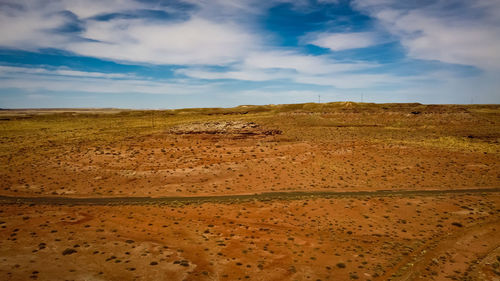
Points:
[[453, 237], [202, 154], [248, 150]]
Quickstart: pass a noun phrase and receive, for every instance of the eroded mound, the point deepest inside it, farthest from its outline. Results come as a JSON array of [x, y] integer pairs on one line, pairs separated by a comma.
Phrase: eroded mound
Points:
[[224, 127]]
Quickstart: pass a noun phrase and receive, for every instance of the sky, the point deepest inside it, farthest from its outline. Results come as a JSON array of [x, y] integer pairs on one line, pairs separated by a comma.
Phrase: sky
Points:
[[160, 54]]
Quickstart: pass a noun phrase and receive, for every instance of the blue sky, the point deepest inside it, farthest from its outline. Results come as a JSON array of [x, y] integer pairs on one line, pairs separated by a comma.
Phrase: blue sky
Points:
[[220, 53]]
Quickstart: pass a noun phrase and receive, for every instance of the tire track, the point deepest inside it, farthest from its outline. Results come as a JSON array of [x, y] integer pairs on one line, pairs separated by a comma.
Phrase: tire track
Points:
[[174, 200]]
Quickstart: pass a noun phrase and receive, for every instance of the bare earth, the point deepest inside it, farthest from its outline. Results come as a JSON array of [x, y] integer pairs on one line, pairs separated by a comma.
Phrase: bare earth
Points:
[[338, 147]]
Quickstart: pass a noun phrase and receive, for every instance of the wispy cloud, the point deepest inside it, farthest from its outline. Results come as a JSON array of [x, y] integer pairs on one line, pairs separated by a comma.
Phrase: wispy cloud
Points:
[[342, 41], [461, 32], [64, 80], [293, 67], [300, 63], [6, 71]]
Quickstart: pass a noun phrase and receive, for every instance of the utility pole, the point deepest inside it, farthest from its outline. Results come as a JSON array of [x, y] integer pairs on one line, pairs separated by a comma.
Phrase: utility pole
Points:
[[319, 98]]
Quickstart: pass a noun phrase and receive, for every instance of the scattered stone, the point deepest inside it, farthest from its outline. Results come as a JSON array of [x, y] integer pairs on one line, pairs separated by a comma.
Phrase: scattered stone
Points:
[[224, 127]]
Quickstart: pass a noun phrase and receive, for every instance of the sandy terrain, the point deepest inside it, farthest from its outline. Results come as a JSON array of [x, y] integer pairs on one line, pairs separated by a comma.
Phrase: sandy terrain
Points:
[[374, 238], [338, 147]]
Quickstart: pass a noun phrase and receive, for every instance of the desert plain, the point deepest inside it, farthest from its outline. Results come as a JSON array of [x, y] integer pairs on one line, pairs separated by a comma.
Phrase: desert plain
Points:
[[331, 191]]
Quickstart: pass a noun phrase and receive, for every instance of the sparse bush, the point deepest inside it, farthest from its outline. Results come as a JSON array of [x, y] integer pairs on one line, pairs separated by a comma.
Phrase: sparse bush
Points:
[[68, 251]]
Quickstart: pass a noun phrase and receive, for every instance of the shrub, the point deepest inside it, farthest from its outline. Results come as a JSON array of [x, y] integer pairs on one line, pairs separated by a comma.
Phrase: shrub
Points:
[[68, 251], [340, 265]]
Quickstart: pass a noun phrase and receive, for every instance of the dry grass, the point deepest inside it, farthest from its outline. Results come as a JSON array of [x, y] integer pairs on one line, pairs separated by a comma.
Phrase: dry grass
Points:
[[334, 146], [323, 147]]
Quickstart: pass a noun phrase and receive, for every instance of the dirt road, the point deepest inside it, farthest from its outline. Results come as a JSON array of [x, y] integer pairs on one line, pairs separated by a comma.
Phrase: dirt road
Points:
[[230, 198]]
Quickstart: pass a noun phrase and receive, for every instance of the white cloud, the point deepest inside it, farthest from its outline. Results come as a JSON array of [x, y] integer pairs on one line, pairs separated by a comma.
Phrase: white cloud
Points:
[[14, 70], [89, 8], [240, 74], [337, 80], [65, 80], [343, 41], [93, 85], [468, 35], [304, 64], [27, 29], [31, 25], [338, 76], [351, 81], [196, 41], [284, 65]]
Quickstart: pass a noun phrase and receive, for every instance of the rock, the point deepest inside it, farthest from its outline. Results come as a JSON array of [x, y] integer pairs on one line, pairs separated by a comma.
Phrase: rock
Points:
[[224, 127]]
